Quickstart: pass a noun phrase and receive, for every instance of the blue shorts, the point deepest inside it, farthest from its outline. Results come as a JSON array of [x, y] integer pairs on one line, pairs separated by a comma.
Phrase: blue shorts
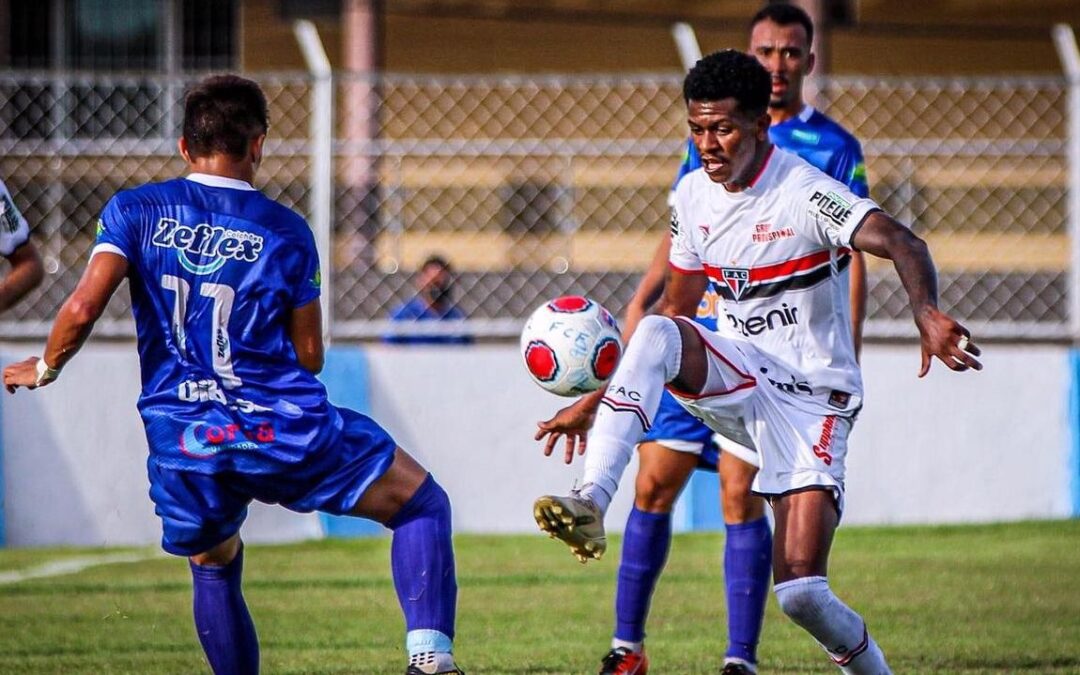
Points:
[[674, 423], [199, 511]]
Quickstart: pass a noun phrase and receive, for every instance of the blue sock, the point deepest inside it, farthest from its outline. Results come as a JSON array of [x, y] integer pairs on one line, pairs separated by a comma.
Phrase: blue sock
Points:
[[646, 542], [222, 620], [422, 560], [747, 569]]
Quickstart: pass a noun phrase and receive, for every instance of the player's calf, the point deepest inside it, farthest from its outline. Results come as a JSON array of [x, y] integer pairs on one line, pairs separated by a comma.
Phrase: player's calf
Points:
[[422, 561]]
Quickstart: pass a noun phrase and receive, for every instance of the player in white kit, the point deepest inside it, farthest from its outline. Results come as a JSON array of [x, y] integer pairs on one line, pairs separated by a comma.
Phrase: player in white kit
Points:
[[775, 235], [26, 270]]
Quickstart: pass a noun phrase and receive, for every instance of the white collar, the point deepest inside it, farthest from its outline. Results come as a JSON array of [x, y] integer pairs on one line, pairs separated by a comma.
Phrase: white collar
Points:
[[220, 181], [806, 112]]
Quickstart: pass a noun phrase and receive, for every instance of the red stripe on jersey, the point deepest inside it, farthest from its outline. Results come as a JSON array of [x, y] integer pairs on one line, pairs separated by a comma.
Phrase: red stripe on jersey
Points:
[[783, 269]]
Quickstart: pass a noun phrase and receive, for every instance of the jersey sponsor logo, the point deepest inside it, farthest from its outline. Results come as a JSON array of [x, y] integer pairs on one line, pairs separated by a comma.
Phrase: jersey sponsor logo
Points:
[[805, 136], [750, 326], [792, 387], [830, 207], [824, 444], [763, 233], [204, 391], [674, 223], [205, 241], [9, 216], [710, 302], [839, 399], [202, 440]]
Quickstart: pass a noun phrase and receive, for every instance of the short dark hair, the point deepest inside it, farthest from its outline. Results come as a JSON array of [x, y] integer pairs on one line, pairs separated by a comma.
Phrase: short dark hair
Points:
[[435, 259], [783, 14], [223, 114], [729, 74]]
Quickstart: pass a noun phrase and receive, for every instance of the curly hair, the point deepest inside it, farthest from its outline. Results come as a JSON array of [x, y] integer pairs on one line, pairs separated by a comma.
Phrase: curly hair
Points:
[[729, 74], [223, 114]]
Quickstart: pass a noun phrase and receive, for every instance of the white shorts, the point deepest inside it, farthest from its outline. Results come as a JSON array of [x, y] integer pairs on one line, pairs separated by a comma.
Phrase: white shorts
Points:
[[736, 441], [797, 449]]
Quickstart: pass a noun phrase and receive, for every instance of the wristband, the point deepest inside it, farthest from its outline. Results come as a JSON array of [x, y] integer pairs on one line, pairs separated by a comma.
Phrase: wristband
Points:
[[45, 374]]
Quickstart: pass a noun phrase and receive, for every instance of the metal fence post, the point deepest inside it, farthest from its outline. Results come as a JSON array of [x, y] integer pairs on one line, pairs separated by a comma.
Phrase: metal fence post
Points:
[[1065, 41], [322, 159]]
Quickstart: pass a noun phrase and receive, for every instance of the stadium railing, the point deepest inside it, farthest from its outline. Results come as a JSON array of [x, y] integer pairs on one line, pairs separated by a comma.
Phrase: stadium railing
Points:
[[535, 186]]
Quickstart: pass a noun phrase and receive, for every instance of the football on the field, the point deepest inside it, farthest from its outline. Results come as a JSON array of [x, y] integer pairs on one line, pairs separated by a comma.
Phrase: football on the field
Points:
[[571, 345]]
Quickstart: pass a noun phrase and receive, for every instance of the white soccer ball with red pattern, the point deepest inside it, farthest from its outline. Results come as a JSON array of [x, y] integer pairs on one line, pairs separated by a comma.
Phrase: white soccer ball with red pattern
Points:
[[571, 345]]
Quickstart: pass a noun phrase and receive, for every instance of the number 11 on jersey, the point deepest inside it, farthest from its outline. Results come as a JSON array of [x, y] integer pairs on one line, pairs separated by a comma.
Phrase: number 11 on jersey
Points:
[[220, 344]]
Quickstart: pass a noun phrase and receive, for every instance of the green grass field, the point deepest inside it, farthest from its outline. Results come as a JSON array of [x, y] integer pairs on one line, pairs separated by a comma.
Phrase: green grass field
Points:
[[977, 599]]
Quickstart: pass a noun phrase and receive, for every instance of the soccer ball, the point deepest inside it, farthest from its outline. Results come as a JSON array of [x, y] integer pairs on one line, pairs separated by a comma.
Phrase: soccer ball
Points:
[[571, 345]]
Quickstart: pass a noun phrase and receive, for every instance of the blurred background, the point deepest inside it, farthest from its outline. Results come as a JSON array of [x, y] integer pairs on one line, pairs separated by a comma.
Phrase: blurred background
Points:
[[532, 143]]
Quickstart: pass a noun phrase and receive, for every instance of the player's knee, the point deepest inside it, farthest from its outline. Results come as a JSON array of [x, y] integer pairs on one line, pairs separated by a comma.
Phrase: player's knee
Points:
[[653, 495], [657, 339], [740, 505], [429, 501], [804, 600]]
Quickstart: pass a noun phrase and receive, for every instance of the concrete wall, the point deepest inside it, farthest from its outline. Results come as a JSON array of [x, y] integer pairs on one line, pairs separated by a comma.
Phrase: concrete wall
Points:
[[996, 445]]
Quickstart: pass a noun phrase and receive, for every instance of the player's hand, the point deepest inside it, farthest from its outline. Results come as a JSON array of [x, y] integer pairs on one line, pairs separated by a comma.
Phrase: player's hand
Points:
[[21, 374], [946, 339], [572, 423]]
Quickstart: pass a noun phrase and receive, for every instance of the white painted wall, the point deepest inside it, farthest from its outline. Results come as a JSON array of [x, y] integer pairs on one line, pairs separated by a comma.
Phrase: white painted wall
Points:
[[951, 448]]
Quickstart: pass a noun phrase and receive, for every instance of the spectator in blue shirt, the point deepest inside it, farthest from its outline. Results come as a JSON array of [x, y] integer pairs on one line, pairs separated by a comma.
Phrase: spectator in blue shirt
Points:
[[433, 302]]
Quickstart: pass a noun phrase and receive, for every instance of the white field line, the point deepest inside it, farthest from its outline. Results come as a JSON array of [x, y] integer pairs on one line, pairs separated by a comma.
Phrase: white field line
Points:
[[57, 568]]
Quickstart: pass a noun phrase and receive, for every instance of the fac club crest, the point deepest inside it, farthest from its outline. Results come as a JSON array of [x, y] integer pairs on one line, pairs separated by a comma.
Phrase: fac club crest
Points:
[[737, 279]]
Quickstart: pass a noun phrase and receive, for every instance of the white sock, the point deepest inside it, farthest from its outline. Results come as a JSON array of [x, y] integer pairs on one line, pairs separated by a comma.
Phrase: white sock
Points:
[[635, 647], [836, 627], [651, 360]]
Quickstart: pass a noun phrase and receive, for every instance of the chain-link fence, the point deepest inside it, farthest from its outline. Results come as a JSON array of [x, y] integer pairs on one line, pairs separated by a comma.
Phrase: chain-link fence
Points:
[[538, 186]]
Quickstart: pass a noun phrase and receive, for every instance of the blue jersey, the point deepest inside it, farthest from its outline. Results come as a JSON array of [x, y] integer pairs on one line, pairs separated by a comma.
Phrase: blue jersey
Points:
[[215, 269], [816, 138]]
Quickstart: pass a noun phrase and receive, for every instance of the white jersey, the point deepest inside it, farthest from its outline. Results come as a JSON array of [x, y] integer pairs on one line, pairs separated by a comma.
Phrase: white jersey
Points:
[[778, 255], [14, 232]]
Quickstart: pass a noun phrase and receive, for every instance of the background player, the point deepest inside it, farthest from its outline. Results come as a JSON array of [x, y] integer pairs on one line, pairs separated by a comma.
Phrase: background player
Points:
[[225, 292], [677, 442], [26, 269], [786, 361]]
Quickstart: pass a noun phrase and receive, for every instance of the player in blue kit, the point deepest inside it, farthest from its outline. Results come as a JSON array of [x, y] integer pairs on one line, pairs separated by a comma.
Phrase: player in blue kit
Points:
[[677, 443], [225, 292]]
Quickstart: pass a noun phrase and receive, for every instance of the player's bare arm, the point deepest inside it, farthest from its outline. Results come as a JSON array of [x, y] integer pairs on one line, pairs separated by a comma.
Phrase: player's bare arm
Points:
[[26, 272], [305, 331], [858, 299], [74, 322], [682, 293], [649, 289], [941, 335]]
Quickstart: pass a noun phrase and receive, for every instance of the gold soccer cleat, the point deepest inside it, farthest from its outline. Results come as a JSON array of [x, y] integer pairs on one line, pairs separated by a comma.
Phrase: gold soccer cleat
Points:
[[576, 521]]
